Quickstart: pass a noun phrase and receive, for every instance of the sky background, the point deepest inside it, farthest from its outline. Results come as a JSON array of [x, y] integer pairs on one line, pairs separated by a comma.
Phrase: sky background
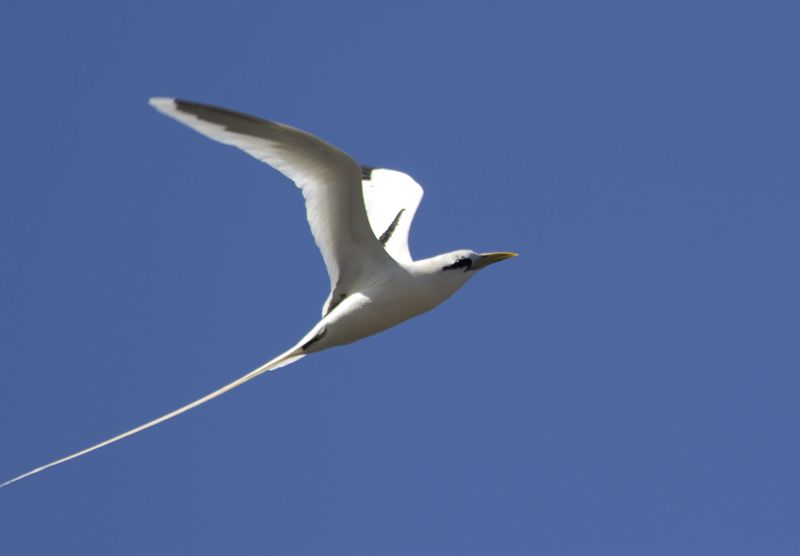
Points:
[[628, 385]]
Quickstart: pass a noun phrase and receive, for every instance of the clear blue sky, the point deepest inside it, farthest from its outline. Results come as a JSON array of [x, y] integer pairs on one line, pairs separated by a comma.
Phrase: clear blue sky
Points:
[[628, 386]]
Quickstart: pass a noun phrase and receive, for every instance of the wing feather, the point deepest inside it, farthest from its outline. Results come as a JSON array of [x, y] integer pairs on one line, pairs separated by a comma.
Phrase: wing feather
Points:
[[391, 200], [329, 179]]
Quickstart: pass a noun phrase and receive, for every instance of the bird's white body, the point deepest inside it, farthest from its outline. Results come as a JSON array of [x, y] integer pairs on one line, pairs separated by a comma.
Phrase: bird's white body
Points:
[[384, 300], [360, 218]]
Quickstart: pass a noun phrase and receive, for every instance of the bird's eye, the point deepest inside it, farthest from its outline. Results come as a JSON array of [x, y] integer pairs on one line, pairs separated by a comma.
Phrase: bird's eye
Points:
[[462, 262]]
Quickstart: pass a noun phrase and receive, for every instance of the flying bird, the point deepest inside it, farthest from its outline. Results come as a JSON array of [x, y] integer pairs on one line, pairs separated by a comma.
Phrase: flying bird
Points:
[[360, 218]]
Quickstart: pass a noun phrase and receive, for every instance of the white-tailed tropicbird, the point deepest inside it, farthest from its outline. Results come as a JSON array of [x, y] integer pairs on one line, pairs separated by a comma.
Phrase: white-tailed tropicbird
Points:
[[360, 218]]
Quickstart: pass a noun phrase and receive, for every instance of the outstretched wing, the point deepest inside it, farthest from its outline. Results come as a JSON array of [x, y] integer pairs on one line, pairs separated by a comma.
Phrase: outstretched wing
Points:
[[329, 179], [391, 199]]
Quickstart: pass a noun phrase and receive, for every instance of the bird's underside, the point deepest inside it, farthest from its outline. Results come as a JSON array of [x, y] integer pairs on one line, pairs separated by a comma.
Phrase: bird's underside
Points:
[[360, 218]]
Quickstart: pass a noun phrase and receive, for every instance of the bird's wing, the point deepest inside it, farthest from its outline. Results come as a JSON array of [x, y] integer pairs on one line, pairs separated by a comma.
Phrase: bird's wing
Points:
[[329, 179], [391, 199]]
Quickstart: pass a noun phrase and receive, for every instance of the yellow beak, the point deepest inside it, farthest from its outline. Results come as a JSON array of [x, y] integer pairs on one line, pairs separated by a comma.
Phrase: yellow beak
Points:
[[488, 258]]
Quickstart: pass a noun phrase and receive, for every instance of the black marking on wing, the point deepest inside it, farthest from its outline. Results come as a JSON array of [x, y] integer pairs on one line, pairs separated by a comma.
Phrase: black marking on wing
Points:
[[366, 172], [317, 337], [385, 236], [237, 122], [333, 304]]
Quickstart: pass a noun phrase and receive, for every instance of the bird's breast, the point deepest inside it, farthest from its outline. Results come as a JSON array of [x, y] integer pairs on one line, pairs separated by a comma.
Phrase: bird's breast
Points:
[[376, 308]]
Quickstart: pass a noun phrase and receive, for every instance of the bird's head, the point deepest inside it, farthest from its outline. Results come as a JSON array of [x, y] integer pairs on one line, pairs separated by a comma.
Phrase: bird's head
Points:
[[459, 266], [470, 261]]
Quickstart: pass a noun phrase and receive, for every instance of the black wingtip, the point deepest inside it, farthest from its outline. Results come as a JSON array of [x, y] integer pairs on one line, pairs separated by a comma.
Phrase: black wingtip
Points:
[[366, 172]]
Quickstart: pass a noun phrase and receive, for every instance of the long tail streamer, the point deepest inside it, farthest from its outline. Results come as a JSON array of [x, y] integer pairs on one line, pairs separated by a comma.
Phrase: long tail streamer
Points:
[[284, 359]]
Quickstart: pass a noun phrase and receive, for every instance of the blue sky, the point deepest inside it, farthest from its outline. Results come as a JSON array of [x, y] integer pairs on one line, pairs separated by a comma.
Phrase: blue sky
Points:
[[628, 385]]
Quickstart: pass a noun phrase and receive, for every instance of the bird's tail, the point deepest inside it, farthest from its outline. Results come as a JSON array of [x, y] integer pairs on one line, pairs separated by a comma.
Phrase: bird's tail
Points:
[[283, 359]]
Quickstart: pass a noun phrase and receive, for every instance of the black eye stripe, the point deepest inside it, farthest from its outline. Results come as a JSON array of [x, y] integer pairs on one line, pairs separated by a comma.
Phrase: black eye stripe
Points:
[[463, 262]]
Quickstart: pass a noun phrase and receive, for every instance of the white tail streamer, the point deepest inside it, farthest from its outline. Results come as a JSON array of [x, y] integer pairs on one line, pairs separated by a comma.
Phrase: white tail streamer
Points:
[[284, 359]]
